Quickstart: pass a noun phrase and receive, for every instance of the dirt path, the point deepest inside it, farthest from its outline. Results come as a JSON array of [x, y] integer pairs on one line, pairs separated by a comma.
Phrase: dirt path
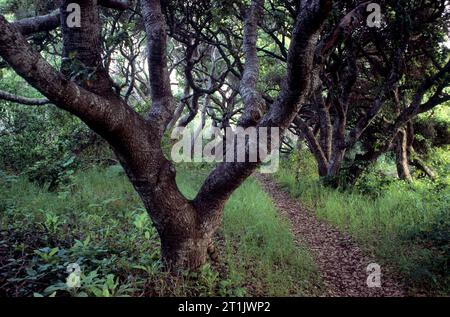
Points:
[[341, 262]]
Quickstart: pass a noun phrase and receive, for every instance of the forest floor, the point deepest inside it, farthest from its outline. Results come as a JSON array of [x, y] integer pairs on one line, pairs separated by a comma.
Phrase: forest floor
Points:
[[272, 245], [341, 261]]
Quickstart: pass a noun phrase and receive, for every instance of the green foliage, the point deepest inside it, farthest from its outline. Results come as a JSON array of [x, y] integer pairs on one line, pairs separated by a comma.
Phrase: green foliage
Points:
[[77, 71], [43, 143], [98, 222], [404, 224], [257, 240], [433, 130], [266, 242]]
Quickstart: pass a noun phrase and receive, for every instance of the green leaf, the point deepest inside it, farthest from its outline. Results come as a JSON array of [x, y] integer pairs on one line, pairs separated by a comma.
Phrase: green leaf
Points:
[[69, 161], [106, 292], [53, 251], [96, 291]]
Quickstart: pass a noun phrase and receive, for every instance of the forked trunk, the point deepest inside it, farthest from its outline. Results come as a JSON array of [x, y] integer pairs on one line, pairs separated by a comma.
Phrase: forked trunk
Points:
[[185, 235]]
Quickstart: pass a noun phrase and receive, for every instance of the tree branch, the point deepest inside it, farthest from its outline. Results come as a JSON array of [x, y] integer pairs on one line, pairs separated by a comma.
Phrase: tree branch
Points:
[[253, 101], [52, 21], [23, 100], [115, 4], [102, 115], [163, 106], [228, 176], [344, 29], [38, 24]]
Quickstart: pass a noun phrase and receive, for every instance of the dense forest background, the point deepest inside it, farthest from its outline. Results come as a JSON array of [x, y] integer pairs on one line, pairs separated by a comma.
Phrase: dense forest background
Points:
[[367, 153]]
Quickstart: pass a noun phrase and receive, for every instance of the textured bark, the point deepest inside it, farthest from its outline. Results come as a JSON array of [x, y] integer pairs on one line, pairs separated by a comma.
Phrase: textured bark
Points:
[[82, 53], [401, 155], [315, 147], [131, 137], [254, 103], [185, 236], [326, 127], [43, 23], [163, 105], [91, 108], [180, 107]]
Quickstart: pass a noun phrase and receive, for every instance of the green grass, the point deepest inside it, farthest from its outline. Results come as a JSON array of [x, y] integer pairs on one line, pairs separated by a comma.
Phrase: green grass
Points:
[[98, 222], [261, 253], [405, 225]]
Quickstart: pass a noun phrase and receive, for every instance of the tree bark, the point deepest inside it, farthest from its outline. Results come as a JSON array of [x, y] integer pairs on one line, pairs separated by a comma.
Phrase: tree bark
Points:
[[401, 154]]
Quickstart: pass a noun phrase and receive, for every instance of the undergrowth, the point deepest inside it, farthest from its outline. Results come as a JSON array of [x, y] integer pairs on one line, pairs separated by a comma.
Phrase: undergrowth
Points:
[[404, 224], [97, 221]]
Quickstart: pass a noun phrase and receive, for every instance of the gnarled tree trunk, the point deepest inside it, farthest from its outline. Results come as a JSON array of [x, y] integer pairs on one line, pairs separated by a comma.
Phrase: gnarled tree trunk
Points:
[[186, 228]]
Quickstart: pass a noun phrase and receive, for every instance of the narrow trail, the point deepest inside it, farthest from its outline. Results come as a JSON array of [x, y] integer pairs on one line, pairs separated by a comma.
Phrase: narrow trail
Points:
[[341, 262]]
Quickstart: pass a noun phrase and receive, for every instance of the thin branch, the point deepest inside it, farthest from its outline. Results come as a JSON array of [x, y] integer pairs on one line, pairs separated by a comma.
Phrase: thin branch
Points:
[[4, 95]]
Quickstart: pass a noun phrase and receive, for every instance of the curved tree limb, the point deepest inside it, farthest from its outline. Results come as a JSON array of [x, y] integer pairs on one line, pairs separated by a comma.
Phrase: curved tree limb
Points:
[[228, 176], [96, 111]]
